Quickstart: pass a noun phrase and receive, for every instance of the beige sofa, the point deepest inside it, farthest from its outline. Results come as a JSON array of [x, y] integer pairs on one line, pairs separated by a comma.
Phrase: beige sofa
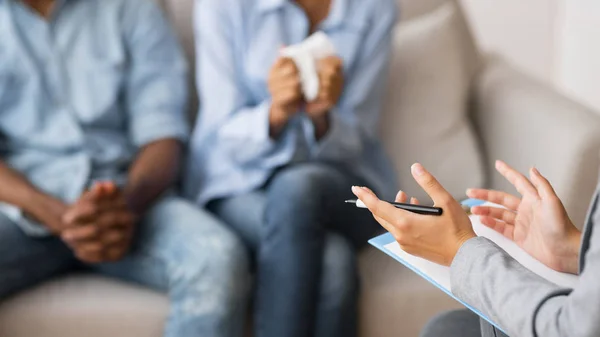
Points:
[[448, 107]]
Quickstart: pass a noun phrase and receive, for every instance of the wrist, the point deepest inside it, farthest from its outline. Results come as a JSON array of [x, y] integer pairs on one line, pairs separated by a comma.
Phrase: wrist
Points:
[[39, 204], [570, 262], [461, 239], [46, 210], [134, 203], [278, 119]]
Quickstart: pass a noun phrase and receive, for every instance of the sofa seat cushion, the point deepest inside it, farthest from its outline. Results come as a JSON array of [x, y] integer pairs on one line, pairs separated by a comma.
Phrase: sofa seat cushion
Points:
[[84, 305], [393, 299]]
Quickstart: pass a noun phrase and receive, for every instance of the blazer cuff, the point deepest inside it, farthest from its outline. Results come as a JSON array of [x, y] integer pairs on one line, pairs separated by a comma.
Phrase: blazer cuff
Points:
[[461, 268]]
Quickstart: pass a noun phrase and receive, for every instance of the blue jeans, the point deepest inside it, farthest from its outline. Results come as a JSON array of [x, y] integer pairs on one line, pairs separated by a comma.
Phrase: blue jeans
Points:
[[179, 249], [303, 237]]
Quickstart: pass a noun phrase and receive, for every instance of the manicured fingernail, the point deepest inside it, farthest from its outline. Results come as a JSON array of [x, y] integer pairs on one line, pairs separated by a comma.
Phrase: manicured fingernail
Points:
[[498, 163], [418, 169], [535, 171], [355, 189], [469, 191]]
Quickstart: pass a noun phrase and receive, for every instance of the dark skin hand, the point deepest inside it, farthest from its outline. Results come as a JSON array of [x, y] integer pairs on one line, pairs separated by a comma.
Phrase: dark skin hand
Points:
[[35, 204], [101, 224], [106, 214]]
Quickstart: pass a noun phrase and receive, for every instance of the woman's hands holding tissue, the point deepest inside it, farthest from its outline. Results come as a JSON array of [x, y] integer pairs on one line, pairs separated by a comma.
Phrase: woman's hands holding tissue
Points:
[[286, 94], [331, 86]]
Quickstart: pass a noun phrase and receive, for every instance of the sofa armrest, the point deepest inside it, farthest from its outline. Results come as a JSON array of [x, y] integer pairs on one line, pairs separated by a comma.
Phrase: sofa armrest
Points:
[[527, 123]]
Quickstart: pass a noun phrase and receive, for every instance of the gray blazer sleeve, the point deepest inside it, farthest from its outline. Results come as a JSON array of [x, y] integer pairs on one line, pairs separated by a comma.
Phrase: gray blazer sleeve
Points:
[[522, 303]]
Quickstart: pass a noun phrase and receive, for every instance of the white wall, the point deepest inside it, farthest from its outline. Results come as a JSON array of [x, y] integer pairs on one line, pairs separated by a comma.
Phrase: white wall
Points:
[[578, 61], [557, 41], [521, 30]]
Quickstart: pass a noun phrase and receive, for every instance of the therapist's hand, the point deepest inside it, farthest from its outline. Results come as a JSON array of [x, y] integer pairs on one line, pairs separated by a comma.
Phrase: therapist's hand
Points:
[[435, 238], [537, 222]]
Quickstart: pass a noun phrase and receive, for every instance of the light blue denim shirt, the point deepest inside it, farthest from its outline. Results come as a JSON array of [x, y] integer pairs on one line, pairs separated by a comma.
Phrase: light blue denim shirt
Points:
[[237, 43], [81, 92]]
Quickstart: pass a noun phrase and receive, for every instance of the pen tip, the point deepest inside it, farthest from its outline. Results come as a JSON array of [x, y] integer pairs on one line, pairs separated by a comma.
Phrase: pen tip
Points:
[[350, 201]]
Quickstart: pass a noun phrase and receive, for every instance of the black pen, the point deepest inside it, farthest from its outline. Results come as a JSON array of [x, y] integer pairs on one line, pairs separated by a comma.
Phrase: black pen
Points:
[[425, 210]]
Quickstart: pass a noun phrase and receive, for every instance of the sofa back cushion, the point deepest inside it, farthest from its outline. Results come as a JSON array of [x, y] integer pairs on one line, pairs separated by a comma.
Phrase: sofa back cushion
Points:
[[180, 13], [425, 117]]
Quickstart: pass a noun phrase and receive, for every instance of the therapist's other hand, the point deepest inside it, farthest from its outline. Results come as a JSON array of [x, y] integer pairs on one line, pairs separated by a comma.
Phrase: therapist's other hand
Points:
[[286, 93], [435, 238], [537, 222]]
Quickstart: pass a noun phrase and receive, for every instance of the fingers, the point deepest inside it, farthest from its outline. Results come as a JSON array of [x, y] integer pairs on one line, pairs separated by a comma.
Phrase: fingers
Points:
[[401, 197], [544, 188], [331, 80], [501, 198], [82, 212], [496, 213], [74, 235], [102, 190], [115, 236], [109, 189], [114, 254], [116, 219], [108, 245], [379, 208], [284, 82], [501, 227], [368, 190], [90, 253], [330, 64], [519, 181], [283, 68], [431, 186], [286, 96], [86, 211]]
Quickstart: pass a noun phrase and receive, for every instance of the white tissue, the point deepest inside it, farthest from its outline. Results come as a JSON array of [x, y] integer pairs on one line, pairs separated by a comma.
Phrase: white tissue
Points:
[[305, 55]]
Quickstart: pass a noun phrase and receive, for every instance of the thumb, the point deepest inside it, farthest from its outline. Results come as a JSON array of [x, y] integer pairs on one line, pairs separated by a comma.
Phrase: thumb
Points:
[[109, 188], [428, 182]]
